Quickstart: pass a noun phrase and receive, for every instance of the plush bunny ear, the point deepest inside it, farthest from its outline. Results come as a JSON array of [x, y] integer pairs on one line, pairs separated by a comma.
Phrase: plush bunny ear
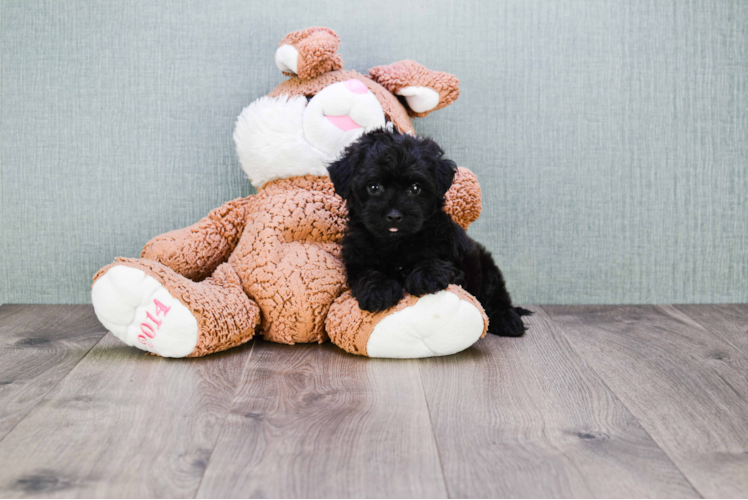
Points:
[[424, 90], [309, 53]]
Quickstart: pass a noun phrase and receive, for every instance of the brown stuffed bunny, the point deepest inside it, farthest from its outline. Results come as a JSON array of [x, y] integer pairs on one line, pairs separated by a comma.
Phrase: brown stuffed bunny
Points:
[[270, 263]]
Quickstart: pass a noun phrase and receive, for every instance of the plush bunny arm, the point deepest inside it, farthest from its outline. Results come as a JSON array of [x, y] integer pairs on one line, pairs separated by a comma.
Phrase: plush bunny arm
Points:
[[464, 198], [196, 251]]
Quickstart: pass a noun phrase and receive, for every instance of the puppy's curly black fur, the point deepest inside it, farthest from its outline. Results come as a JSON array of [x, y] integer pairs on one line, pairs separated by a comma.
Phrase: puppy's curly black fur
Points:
[[399, 237]]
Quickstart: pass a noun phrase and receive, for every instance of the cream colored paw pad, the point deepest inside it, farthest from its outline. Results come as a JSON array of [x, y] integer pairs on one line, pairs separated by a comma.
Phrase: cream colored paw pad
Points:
[[140, 312], [438, 324]]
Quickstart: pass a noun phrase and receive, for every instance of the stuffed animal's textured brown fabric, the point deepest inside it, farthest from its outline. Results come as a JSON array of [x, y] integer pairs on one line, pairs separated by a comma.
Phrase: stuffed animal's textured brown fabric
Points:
[[396, 76], [270, 263]]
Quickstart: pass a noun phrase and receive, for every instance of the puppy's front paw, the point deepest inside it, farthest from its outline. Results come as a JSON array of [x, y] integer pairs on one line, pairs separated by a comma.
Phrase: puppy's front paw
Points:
[[430, 277], [377, 292]]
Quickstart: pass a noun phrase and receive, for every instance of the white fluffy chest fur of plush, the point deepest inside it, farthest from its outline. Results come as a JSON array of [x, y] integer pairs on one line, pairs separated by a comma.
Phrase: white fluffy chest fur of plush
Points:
[[279, 137]]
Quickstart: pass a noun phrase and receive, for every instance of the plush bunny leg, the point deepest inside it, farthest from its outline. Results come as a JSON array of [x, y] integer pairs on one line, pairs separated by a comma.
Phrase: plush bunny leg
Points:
[[147, 305], [197, 250], [437, 324]]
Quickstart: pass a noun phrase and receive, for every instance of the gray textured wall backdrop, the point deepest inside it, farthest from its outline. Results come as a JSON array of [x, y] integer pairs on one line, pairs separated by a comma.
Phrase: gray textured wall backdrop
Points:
[[610, 137]]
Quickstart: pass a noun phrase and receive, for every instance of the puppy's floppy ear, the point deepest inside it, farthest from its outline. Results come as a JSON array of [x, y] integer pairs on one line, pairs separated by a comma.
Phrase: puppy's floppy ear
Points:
[[445, 174], [445, 169], [342, 170]]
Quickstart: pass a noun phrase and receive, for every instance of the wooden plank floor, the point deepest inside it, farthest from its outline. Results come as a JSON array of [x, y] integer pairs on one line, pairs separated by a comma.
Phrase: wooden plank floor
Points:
[[596, 401]]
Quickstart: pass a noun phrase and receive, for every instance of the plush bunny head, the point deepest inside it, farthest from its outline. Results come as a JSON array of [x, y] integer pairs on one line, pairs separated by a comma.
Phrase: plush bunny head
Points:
[[306, 122]]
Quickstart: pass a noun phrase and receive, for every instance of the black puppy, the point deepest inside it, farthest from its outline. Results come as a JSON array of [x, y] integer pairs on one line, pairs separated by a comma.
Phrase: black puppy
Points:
[[399, 237]]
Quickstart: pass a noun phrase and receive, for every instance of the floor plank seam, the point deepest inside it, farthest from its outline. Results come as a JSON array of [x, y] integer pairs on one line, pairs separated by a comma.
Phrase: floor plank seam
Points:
[[54, 386], [433, 433], [559, 329], [712, 332], [228, 412]]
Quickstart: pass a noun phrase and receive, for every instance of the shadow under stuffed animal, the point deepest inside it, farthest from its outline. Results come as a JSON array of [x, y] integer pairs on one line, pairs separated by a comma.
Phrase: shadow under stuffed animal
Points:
[[270, 263]]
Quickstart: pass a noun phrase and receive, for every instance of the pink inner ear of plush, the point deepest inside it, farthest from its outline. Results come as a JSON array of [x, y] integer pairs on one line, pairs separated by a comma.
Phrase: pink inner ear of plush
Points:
[[344, 123]]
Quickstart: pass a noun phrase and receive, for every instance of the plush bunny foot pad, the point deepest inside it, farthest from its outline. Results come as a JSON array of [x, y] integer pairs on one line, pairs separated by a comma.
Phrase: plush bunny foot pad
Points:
[[140, 312], [438, 324]]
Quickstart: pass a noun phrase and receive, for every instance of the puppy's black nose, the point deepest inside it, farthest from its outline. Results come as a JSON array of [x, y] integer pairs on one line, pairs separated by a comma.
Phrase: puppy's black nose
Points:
[[394, 215]]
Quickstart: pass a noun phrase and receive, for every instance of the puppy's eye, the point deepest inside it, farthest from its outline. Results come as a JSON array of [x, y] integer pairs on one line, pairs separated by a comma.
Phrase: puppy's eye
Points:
[[374, 189], [415, 189]]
